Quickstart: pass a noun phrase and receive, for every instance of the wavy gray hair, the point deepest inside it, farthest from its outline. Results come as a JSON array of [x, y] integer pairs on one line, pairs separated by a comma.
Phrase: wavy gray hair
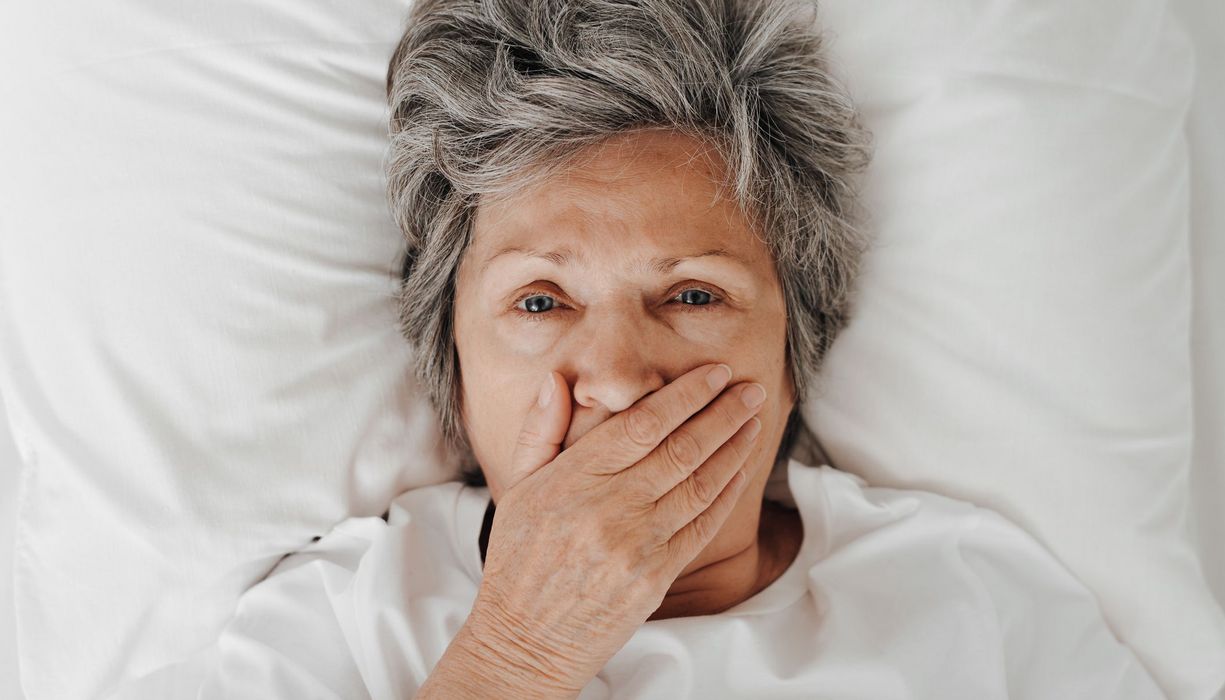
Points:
[[489, 97]]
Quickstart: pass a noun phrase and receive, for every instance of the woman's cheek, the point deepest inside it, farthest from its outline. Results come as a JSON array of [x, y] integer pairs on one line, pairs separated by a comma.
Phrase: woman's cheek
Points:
[[527, 337]]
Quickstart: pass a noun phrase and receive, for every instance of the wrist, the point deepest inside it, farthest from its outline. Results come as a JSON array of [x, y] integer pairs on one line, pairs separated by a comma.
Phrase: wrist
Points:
[[504, 655]]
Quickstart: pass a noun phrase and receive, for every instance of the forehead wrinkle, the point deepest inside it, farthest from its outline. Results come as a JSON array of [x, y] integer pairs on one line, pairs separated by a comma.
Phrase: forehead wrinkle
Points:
[[562, 257]]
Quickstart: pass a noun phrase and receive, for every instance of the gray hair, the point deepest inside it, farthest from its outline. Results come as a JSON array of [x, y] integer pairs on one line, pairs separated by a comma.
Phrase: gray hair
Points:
[[489, 97]]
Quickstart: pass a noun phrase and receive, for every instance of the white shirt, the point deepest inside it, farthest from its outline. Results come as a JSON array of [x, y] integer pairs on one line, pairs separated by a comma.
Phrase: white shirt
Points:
[[894, 594]]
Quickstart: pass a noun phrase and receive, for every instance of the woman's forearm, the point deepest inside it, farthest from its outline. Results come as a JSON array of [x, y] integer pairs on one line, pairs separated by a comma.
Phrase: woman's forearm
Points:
[[477, 665]]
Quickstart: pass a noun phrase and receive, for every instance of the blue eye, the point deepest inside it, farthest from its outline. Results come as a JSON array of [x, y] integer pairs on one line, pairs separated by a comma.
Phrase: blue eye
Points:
[[536, 303], [539, 303], [699, 292]]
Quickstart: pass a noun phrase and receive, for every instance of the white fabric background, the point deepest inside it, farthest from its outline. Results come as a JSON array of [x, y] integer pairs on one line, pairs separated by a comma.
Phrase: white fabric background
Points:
[[344, 619], [10, 683], [1205, 20], [1208, 249]]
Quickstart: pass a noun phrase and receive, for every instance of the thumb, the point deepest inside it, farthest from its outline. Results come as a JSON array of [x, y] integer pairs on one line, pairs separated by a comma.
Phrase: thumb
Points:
[[544, 429]]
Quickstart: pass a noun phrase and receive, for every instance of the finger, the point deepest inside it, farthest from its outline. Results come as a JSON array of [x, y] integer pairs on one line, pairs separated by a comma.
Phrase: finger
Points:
[[629, 436], [689, 542], [690, 445], [544, 429], [693, 496]]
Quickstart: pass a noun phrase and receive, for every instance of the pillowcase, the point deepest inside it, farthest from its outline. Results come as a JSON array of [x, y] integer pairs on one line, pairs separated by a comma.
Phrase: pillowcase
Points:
[[1021, 338], [200, 349], [1205, 22], [199, 346]]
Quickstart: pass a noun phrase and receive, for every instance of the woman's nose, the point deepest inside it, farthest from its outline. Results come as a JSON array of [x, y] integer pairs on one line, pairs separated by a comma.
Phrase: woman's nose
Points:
[[615, 362]]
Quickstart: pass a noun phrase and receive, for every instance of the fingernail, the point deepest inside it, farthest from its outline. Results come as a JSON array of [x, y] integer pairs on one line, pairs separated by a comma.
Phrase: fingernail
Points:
[[546, 392], [753, 395], [719, 376]]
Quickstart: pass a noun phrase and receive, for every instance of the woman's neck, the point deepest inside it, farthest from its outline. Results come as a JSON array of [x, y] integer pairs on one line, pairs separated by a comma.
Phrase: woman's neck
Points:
[[732, 580]]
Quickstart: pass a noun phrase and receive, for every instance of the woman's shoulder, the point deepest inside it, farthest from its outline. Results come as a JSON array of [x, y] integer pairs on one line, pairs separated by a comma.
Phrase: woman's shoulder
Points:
[[933, 536], [947, 558], [849, 509]]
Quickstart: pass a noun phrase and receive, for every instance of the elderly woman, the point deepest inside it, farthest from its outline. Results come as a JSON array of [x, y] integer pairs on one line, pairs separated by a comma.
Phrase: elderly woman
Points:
[[628, 252]]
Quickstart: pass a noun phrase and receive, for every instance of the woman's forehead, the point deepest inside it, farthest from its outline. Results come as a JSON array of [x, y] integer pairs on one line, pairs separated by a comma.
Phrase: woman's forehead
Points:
[[654, 197], [651, 242]]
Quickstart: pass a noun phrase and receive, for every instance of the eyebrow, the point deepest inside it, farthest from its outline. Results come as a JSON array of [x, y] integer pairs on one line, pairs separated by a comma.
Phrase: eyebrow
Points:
[[564, 256]]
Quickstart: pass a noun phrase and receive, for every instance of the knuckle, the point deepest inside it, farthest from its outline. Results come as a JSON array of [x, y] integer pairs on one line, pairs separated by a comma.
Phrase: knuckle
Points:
[[637, 491], [683, 450], [702, 490], [697, 395], [741, 452], [528, 439], [728, 415], [658, 534], [658, 528], [644, 586], [629, 561], [702, 528], [741, 447], [642, 426]]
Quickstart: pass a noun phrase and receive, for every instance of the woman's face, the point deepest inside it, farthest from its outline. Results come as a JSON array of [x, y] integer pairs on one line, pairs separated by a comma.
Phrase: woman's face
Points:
[[629, 298]]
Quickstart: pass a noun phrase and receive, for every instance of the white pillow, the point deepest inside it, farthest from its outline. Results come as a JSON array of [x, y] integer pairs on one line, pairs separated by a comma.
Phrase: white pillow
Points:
[[200, 352], [202, 364], [1021, 339]]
